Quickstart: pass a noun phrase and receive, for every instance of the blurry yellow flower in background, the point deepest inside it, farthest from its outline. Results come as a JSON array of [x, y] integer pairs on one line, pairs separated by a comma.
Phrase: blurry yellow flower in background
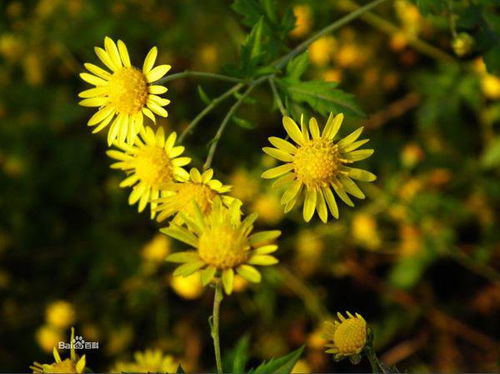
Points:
[[347, 335], [157, 249], [197, 187], [125, 95], [410, 17], [11, 46], [60, 314], [244, 186], [321, 51], [149, 361], [317, 165], [48, 337], [268, 207], [74, 364], [223, 243], [119, 339], [303, 20], [365, 232], [490, 86], [332, 75], [309, 246], [153, 163], [189, 287]]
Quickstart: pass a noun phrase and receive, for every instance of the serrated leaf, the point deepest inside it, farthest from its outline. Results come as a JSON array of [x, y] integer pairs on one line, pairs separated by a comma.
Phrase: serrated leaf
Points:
[[323, 97], [243, 123], [203, 95], [298, 66], [281, 365]]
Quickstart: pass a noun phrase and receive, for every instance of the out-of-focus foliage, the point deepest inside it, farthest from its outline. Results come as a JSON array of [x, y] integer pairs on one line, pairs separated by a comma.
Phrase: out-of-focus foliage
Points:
[[418, 258]]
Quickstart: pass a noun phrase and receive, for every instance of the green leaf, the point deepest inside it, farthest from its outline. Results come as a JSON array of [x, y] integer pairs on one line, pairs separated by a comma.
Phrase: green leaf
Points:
[[238, 358], [491, 156], [323, 97], [281, 365], [252, 51], [179, 370], [298, 66], [243, 123], [203, 95], [492, 60]]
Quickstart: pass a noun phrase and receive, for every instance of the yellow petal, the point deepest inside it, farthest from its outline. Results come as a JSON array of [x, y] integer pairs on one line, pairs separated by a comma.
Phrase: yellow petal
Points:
[[156, 73], [278, 154], [94, 69], [333, 125], [309, 204], [112, 51], [277, 171], [313, 127], [228, 280], [122, 48], [293, 130], [150, 59], [283, 145]]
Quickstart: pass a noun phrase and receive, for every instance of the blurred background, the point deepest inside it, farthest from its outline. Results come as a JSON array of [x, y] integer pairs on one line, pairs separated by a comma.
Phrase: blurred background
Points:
[[418, 258]]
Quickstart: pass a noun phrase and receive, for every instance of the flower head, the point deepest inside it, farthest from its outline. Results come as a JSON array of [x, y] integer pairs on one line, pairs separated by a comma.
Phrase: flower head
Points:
[[223, 244], [124, 94], [347, 336], [60, 314], [74, 364], [149, 361], [316, 165], [153, 165], [198, 187]]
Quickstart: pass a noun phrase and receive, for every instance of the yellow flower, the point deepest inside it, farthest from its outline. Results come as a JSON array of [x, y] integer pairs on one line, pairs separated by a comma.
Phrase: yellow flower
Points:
[[223, 243], [317, 165], [48, 337], [189, 287], [245, 187], [267, 206], [153, 163], [149, 361], [347, 335], [60, 314], [490, 86], [157, 249], [197, 187], [320, 52], [126, 94], [365, 231], [74, 364], [303, 20]]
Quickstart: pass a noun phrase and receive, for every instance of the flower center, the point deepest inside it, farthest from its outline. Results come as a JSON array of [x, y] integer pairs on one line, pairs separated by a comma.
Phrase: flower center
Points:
[[154, 167], [200, 193], [316, 163], [128, 90], [223, 247], [65, 366], [350, 336]]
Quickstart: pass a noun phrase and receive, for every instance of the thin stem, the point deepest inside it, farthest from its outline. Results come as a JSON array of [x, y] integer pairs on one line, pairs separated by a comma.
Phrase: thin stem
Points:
[[214, 325], [208, 109], [199, 74], [277, 97], [373, 362], [389, 28], [226, 119], [326, 30]]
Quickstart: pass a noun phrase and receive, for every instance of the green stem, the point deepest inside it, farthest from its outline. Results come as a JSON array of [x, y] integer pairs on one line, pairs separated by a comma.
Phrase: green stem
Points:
[[214, 325], [199, 74], [208, 109], [277, 97], [326, 30], [226, 119]]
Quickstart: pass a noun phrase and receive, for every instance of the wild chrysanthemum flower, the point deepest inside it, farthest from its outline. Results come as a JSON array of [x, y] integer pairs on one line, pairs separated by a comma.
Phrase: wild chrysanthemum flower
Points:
[[153, 165], [149, 361], [126, 94], [347, 336], [223, 244], [74, 364], [316, 165], [201, 188]]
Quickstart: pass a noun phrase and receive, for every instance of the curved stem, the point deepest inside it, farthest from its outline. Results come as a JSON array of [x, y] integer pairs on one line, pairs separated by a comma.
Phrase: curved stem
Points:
[[326, 30], [214, 325], [277, 97], [199, 74], [225, 121], [208, 109]]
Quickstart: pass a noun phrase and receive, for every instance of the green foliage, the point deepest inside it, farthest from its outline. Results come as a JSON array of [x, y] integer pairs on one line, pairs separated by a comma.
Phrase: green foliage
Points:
[[236, 360], [281, 365]]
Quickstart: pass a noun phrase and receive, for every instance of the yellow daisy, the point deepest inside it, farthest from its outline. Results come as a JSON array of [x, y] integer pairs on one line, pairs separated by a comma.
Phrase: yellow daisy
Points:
[[201, 188], [74, 364], [125, 94], [223, 244], [153, 165], [149, 361], [316, 165], [347, 335]]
